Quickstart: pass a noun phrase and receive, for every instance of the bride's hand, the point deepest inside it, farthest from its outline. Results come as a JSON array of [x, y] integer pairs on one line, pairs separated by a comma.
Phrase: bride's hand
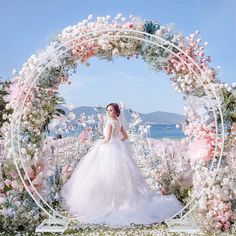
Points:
[[123, 139], [103, 141]]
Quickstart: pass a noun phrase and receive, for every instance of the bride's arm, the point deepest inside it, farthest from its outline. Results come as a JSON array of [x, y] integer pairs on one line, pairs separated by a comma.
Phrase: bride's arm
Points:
[[124, 134], [107, 135]]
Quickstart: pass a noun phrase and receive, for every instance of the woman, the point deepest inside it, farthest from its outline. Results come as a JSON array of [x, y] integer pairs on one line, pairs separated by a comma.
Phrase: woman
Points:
[[107, 187]]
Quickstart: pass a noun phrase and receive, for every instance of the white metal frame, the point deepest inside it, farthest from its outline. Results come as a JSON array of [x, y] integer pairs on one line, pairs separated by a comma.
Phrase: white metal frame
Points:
[[153, 40]]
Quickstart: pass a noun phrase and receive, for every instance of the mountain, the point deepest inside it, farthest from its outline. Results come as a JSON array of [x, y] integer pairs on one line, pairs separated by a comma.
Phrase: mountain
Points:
[[157, 117], [161, 117]]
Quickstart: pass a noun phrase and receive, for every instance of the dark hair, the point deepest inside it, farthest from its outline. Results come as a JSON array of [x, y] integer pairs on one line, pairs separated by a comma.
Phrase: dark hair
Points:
[[116, 107]]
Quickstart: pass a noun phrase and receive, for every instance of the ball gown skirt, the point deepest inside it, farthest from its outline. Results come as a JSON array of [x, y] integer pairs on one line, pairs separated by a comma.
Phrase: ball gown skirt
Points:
[[107, 187]]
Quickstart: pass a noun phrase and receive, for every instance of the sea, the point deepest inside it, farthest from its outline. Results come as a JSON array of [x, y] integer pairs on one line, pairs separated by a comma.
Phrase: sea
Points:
[[157, 131]]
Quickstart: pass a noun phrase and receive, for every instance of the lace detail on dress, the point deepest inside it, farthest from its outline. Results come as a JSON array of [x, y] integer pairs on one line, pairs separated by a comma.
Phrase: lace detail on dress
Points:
[[115, 127]]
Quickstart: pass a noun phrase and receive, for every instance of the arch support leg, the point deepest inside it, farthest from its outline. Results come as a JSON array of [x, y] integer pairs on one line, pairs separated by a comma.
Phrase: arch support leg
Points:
[[53, 224]]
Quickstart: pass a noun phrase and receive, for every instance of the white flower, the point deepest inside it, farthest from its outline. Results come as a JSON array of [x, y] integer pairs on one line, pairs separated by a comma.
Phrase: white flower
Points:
[[101, 42], [14, 72], [122, 45], [90, 17], [108, 17], [104, 47], [115, 51], [4, 116], [118, 15], [221, 85], [8, 106], [109, 46], [85, 21], [199, 40], [23, 151]]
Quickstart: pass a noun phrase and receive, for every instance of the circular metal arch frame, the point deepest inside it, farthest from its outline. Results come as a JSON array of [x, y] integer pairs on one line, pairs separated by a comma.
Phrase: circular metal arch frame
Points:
[[117, 36]]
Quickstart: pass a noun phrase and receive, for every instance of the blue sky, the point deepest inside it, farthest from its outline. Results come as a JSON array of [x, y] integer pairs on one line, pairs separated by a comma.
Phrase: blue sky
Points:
[[27, 25]]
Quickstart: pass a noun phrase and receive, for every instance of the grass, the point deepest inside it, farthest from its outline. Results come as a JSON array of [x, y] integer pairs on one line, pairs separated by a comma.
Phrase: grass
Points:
[[103, 230]]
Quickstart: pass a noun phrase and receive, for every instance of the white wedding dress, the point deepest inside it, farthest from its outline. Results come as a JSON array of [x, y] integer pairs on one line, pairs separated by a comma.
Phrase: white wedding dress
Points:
[[107, 187]]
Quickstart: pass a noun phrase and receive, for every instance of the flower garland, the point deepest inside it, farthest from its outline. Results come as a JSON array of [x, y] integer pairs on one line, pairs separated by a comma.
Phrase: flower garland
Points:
[[34, 101]]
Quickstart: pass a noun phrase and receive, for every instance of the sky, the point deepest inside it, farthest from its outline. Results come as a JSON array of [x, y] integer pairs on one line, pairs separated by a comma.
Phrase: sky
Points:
[[28, 25]]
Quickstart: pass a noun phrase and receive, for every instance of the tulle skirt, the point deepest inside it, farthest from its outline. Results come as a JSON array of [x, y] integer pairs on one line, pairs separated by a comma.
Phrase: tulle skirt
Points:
[[107, 187]]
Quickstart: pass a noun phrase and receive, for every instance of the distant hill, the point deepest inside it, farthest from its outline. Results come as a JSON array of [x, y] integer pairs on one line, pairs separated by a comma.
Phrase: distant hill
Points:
[[161, 117], [157, 117]]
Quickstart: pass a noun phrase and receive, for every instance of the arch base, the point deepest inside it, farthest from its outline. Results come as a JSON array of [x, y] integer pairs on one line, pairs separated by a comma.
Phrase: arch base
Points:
[[181, 225], [53, 224]]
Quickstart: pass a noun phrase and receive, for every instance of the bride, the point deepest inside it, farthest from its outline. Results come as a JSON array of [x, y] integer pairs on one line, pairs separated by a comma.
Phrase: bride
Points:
[[107, 187]]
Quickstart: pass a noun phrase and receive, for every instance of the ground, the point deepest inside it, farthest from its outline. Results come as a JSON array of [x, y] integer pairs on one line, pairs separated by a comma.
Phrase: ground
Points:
[[155, 230]]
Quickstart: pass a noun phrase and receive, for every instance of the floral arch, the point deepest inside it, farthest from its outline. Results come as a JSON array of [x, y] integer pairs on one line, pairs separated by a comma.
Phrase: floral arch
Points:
[[32, 95]]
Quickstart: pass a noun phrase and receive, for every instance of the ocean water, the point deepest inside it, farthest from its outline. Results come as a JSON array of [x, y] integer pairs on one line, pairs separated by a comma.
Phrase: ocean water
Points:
[[156, 131], [166, 131]]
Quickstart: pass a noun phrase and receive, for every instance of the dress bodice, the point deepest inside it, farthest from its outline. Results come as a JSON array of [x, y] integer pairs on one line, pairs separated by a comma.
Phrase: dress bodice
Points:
[[115, 127]]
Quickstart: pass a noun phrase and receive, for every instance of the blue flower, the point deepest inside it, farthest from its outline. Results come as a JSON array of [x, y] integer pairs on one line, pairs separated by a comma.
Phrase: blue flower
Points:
[[151, 26]]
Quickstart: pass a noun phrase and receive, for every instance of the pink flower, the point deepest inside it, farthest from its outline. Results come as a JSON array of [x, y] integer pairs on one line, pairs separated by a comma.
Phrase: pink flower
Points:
[[38, 181], [39, 167], [51, 92], [100, 117], [89, 130], [83, 136], [66, 170], [31, 173], [2, 185], [131, 25], [163, 190], [14, 184], [70, 126], [20, 186], [13, 174], [226, 225], [72, 115], [198, 149], [7, 182], [63, 79], [218, 226]]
